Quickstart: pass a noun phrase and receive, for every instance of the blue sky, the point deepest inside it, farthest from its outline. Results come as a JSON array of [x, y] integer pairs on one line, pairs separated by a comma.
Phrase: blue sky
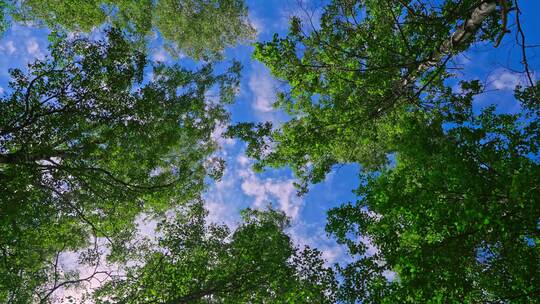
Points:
[[240, 186]]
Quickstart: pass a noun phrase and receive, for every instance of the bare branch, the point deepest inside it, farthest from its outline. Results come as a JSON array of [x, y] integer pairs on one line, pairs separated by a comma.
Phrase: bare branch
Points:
[[521, 41]]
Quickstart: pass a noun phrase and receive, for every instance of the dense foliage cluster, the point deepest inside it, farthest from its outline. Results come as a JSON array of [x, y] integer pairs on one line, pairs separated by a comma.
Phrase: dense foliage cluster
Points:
[[87, 144], [207, 263], [448, 194], [197, 28], [95, 135]]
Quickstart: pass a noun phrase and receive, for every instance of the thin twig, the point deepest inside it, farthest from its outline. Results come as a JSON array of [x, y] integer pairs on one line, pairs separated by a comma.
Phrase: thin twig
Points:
[[521, 36]]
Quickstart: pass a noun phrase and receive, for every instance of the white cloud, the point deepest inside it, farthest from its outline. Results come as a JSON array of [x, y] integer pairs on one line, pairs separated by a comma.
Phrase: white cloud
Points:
[[390, 275], [314, 236], [160, 55], [69, 262], [217, 136], [371, 249], [221, 211], [2, 91], [240, 187], [243, 160], [8, 47], [224, 199], [266, 190], [257, 23], [504, 80], [333, 254], [33, 48], [263, 88]]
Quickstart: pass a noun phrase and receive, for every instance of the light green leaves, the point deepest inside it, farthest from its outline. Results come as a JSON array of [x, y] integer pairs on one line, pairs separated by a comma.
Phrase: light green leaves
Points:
[[201, 29], [371, 86], [87, 145], [199, 262]]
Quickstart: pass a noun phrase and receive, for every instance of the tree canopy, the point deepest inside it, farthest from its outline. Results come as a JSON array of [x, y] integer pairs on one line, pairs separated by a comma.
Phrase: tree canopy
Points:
[[95, 135], [196, 262], [87, 144], [368, 60], [456, 217], [448, 195], [197, 28]]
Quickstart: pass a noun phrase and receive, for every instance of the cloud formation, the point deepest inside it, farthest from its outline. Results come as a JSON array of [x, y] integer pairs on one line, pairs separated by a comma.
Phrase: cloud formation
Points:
[[160, 55], [33, 48], [264, 191], [8, 47], [263, 88], [503, 79]]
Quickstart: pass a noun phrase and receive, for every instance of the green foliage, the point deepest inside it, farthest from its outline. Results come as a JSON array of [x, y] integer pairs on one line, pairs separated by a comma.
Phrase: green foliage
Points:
[[86, 144], [202, 28], [3, 16], [77, 14], [448, 197], [196, 262], [199, 28], [456, 217], [368, 60]]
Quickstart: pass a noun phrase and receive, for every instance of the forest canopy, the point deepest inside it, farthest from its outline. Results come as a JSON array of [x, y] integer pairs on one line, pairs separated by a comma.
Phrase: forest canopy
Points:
[[197, 28], [448, 194], [95, 136]]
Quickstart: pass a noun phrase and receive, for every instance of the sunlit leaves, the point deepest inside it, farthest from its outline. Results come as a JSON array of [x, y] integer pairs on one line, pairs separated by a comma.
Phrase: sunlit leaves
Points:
[[201, 29], [456, 217], [198, 262], [87, 143], [447, 197]]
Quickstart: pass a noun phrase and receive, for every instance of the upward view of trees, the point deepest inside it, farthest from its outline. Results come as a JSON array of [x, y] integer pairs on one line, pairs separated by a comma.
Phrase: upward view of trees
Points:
[[86, 146], [198, 28], [197, 264], [95, 134], [448, 195]]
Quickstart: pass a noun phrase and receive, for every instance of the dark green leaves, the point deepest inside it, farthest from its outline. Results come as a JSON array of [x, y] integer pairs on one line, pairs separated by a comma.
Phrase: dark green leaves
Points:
[[197, 262], [87, 144], [448, 197], [456, 218]]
